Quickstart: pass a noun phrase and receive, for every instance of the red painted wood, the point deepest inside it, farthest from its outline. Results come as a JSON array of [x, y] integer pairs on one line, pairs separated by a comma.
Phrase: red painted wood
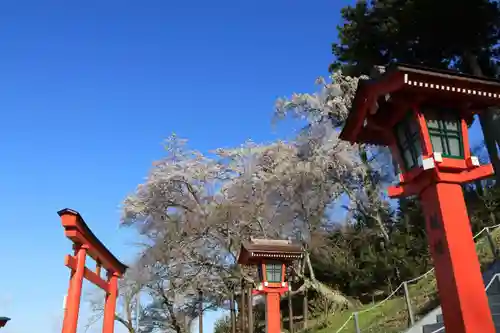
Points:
[[70, 321], [461, 288], [460, 283], [110, 305], [86, 243], [71, 263], [273, 312]]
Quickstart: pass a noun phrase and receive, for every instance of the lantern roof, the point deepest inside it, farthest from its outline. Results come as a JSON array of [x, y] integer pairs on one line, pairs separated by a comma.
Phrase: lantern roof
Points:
[[373, 111], [261, 249], [3, 321]]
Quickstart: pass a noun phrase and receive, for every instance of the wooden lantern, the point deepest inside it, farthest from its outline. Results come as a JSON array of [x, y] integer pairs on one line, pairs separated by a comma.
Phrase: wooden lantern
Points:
[[423, 114], [270, 257]]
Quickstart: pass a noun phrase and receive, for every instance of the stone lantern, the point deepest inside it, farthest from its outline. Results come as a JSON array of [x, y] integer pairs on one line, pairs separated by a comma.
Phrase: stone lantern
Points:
[[423, 115]]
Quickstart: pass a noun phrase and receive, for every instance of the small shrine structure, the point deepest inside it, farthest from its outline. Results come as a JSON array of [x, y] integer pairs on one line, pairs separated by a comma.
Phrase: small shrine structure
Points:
[[423, 114], [85, 243], [3, 321], [271, 258]]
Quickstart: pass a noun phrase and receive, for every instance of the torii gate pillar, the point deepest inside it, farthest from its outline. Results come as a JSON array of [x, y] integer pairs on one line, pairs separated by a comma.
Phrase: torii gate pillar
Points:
[[85, 243]]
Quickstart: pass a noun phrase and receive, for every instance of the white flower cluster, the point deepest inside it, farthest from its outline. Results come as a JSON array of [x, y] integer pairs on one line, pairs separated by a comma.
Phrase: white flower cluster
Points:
[[195, 210]]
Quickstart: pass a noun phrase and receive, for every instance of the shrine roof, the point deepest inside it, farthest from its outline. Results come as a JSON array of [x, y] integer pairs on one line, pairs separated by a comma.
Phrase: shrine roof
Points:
[[258, 249], [412, 81], [443, 73], [3, 321]]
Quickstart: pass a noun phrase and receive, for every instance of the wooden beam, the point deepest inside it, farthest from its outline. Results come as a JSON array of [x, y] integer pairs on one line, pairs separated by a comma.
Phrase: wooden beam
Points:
[[98, 269], [70, 262], [78, 231]]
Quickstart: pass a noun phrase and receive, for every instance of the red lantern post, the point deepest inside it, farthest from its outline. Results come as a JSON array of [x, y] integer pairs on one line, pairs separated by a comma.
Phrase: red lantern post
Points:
[[271, 258], [422, 115]]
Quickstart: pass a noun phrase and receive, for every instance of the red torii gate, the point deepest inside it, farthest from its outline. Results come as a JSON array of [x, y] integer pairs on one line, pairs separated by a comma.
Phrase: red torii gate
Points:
[[86, 243]]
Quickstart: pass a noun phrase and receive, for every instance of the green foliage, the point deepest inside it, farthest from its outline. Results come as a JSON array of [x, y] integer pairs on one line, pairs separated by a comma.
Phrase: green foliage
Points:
[[391, 315], [223, 325], [484, 204], [363, 264], [426, 32]]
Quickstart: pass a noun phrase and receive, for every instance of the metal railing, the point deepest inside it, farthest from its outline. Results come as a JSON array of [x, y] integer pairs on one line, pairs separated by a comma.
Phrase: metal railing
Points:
[[493, 278], [396, 313]]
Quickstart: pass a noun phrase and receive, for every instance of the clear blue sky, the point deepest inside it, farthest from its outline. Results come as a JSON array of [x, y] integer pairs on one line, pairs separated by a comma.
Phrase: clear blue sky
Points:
[[89, 89]]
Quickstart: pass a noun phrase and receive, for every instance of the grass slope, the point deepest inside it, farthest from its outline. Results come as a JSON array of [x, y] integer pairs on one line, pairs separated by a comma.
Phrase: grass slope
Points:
[[391, 316]]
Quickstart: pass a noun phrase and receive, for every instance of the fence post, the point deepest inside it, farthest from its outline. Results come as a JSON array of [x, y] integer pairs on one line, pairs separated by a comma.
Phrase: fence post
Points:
[[408, 304], [498, 279], [200, 310], [356, 322], [491, 242]]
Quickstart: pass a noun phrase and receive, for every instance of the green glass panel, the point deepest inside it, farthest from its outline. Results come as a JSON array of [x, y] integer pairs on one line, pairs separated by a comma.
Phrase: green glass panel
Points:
[[454, 147], [408, 159], [451, 125], [408, 139], [417, 148], [445, 132], [413, 127], [273, 272], [401, 135], [432, 124], [437, 145]]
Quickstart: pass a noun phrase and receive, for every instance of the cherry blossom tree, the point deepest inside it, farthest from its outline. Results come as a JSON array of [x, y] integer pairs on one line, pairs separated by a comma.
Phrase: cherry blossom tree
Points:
[[331, 106], [195, 210], [129, 309]]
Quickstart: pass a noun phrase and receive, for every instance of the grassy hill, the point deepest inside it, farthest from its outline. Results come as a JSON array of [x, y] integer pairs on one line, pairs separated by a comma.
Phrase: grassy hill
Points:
[[391, 315]]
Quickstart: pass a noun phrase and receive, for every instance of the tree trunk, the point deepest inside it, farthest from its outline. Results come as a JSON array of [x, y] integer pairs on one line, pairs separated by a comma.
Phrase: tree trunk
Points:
[[479, 188], [334, 295], [327, 310], [493, 218], [241, 308], [200, 310], [175, 322], [137, 311], [250, 309], [305, 308], [233, 315], [487, 119]]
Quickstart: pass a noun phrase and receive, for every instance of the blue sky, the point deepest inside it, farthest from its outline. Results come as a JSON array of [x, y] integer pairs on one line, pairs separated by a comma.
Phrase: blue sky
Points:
[[89, 89]]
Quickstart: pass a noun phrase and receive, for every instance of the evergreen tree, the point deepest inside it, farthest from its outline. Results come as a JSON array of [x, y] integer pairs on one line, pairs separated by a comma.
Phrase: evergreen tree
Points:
[[445, 34]]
